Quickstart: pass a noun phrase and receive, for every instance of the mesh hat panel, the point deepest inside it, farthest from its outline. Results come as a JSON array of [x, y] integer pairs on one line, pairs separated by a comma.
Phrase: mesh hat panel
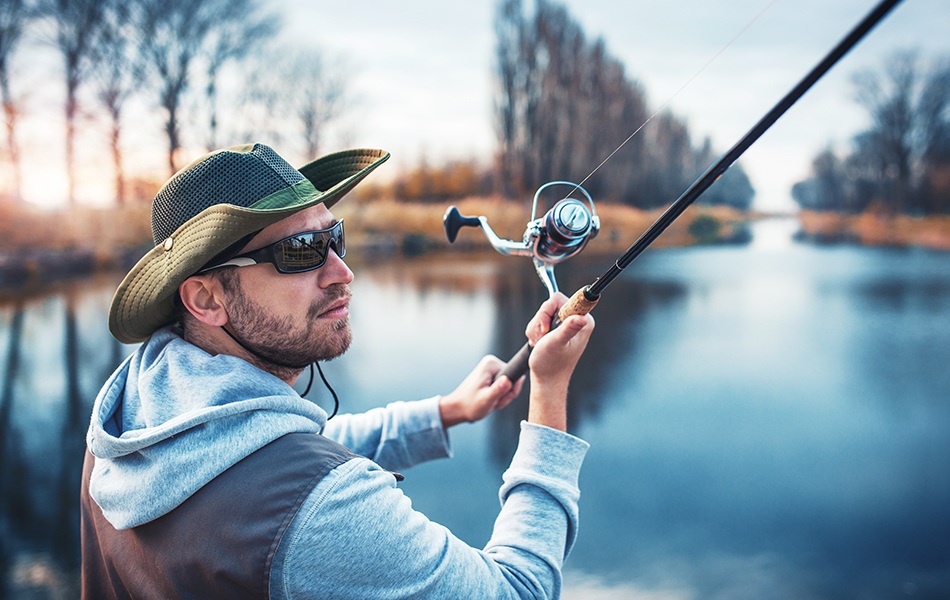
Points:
[[232, 177]]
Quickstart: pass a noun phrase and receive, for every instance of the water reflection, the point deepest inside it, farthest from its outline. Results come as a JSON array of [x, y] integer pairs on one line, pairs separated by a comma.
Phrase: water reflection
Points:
[[519, 297], [56, 354], [767, 423]]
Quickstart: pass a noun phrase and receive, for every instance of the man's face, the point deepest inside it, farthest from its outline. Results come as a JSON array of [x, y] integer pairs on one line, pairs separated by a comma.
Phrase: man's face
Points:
[[292, 319]]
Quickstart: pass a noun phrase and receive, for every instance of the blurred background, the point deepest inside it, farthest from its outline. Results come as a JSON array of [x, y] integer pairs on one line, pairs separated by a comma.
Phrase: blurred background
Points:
[[766, 391]]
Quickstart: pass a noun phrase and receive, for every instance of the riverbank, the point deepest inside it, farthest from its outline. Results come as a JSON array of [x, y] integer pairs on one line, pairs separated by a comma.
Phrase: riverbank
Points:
[[873, 228], [38, 246]]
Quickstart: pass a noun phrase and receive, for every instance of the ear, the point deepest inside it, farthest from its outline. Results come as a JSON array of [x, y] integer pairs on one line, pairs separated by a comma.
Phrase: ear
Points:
[[203, 297]]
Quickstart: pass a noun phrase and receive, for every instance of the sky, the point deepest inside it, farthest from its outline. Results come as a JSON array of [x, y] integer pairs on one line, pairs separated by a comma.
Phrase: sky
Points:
[[420, 75], [423, 70]]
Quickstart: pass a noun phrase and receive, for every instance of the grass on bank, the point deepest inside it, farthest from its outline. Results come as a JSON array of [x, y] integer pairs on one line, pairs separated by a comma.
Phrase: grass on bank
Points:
[[111, 235], [381, 225], [874, 228]]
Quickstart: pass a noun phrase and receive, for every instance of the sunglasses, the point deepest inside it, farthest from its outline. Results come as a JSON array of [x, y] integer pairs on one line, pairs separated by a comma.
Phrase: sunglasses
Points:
[[297, 253]]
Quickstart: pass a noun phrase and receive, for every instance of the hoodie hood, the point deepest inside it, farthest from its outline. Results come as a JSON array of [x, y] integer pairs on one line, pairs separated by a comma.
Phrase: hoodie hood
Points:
[[173, 417]]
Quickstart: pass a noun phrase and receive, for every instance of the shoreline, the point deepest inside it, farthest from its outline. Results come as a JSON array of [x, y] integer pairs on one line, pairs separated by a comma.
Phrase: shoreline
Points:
[[87, 241]]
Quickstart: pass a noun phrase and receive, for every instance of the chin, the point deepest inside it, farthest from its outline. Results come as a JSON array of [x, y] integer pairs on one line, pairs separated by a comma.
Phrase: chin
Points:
[[342, 337]]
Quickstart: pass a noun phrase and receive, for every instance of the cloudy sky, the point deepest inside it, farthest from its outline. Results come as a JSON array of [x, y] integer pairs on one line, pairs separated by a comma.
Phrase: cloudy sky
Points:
[[422, 69]]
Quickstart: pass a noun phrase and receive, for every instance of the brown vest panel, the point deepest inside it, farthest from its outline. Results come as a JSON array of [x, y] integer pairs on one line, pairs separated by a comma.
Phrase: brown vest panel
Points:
[[220, 542]]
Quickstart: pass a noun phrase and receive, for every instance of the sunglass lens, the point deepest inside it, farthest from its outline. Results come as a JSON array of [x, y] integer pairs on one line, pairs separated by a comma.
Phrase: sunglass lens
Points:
[[309, 250]]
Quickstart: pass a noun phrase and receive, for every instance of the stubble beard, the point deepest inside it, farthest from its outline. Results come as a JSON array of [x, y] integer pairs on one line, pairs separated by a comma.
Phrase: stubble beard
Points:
[[280, 345]]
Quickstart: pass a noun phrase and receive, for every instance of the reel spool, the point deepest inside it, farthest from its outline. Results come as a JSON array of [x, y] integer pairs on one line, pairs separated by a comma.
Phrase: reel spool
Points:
[[556, 236]]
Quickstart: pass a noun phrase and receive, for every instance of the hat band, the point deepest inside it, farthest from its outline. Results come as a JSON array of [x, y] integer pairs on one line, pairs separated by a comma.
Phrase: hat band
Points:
[[298, 193]]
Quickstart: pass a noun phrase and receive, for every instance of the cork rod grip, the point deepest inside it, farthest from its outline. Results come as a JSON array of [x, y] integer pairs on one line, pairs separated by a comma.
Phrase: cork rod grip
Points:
[[578, 304]]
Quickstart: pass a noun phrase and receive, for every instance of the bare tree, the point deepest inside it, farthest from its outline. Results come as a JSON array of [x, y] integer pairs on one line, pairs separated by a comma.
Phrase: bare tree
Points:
[[902, 161], [909, 105], [293, 95], [316, 97], [173, 33], [118, 75], [509, 28], [240, 28], [257, 116], [890, 101], [14, 15], [75, 24]]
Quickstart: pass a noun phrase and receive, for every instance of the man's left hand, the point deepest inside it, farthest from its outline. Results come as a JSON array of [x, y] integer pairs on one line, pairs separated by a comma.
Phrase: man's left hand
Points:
[[479, 394]]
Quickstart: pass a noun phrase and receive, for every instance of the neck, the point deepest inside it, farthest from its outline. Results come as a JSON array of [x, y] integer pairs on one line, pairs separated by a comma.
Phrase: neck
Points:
[[213, 343]]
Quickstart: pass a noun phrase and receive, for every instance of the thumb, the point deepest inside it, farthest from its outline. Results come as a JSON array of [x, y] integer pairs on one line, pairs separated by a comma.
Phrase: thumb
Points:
[[571, 326], [501, 386]]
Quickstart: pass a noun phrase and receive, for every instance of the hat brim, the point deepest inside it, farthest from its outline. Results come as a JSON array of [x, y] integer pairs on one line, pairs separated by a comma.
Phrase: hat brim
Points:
[[145, 300]]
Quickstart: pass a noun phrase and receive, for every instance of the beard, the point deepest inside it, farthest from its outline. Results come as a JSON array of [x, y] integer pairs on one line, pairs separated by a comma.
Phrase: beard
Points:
[[283, 342]]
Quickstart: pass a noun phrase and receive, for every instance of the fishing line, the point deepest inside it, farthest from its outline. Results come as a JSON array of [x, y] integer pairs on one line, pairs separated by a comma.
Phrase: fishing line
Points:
[[677, 92]]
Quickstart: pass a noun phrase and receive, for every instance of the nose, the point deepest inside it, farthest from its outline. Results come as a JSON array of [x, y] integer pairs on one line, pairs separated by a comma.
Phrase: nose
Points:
[[334, 270]]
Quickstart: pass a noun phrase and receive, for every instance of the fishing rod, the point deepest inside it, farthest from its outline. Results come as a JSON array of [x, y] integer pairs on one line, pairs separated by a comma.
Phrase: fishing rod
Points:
[[586, 298]]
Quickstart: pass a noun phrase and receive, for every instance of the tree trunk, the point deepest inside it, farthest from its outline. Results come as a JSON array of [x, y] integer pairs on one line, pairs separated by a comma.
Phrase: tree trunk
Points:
[[10, 114], [171, 130], [115, 140], [71, 109]]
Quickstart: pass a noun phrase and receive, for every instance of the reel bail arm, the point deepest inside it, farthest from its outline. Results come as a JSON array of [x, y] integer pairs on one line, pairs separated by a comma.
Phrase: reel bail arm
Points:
[[557, 235]]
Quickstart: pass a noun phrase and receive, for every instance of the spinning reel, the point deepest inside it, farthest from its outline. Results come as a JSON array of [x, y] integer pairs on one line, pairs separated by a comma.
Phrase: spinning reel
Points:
[[558, 235]]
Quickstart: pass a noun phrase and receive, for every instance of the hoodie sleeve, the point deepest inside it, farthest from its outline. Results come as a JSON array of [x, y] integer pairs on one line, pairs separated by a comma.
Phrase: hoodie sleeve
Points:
[[397, 436], [357, 535]]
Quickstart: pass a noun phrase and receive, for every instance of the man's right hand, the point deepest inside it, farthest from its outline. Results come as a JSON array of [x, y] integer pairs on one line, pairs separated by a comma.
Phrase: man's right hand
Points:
[[553, 358]]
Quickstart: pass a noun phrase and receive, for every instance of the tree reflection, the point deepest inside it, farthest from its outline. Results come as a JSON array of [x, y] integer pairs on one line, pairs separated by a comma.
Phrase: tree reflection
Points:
[[66, 530], [618, 315], [42, 440], [7, 469]]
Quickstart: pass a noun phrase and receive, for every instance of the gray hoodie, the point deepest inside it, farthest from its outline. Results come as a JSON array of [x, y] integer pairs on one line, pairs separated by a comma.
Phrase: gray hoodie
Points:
[[172, 418]]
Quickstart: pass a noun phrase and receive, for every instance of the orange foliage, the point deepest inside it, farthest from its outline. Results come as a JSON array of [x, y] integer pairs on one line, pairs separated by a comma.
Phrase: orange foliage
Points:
[[388, 222], [102, 231], [879, 229]]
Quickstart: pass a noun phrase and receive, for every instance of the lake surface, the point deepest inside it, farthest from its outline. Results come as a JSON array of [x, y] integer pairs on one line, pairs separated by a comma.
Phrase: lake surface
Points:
[[766, 421]]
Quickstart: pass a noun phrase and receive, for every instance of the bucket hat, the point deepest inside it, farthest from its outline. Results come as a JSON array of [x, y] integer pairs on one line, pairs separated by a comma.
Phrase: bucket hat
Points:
[[210, 209]]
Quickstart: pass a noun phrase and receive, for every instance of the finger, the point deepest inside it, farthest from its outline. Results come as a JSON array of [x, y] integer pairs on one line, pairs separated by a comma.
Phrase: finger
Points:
[[500, 387], [540, 324], [491, 363], [572, 326]]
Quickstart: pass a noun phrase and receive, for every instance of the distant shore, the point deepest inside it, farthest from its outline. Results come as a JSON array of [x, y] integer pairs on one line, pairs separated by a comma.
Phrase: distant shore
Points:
[[876, 229], [38, 246]]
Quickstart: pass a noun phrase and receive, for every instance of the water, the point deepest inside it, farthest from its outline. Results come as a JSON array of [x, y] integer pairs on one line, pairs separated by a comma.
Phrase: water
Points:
[[768, 421]]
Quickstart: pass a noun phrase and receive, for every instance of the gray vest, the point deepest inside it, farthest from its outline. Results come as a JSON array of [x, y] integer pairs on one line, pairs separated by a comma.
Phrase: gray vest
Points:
[[217, 544]]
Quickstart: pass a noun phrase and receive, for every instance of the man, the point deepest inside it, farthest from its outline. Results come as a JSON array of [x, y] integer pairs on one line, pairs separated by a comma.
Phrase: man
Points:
[[207, 475]]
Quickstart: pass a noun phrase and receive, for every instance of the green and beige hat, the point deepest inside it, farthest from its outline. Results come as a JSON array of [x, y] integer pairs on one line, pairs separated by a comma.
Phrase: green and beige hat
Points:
[[210, 209]]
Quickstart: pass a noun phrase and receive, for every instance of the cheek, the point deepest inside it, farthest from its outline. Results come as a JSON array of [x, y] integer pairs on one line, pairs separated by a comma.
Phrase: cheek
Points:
[[272, 290], [284, 295]]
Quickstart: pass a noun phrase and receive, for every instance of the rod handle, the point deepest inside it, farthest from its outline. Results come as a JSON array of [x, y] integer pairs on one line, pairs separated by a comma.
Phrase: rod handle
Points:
[[578, 304]]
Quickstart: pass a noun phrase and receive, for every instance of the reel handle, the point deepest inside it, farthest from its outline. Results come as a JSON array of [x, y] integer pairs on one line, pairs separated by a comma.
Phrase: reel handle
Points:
[[578, 304], [454, 220]]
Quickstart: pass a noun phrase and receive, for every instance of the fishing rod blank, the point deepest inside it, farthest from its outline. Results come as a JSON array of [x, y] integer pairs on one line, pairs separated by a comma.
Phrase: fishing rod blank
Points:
[[584, 300]]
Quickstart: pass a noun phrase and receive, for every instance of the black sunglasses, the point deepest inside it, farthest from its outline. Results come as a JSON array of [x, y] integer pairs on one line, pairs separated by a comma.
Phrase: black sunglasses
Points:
[[297, 253]]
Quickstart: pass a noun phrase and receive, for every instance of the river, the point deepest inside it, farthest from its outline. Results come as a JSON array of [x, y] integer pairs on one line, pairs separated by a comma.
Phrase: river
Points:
[[766, 421]]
